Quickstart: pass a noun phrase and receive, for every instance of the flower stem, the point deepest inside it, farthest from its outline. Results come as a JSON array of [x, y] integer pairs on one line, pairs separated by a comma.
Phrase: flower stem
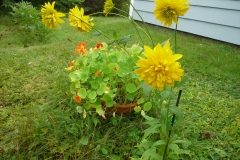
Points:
[[170, 131], [175, 37], [143, 23], [136, 26]]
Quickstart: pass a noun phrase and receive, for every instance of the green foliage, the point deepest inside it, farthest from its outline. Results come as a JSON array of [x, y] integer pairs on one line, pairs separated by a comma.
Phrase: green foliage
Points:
[[63, 5], [106, 76], [28, 19], [157, 143], [37, 120]]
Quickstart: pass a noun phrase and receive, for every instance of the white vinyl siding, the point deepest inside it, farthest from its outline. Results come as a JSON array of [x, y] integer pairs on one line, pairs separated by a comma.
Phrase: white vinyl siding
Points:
[[216, 19]]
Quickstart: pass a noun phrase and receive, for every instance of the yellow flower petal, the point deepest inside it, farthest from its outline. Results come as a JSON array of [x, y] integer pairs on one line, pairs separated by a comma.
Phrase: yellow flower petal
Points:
[[108, 7], [159, 67], [50, 17], [167, 11], [78, 20]]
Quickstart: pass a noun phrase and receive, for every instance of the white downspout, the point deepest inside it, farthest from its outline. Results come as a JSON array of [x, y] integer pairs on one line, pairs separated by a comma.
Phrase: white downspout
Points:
[[131, 9]]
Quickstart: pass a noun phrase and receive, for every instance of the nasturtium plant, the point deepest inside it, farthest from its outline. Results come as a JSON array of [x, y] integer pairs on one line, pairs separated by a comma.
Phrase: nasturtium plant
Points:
[[106, 74]]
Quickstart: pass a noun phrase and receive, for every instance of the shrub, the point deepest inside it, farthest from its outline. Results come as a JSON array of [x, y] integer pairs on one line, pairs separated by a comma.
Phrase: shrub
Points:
[[29, 21], [64, 5]]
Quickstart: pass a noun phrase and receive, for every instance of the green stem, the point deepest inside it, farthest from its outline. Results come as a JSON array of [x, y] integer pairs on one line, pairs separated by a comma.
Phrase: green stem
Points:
[[175, 37], [170, 131], [92, 14], [136, 26], [143, 23]]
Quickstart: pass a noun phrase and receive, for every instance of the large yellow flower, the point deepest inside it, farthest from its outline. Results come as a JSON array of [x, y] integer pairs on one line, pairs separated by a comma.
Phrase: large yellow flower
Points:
[[50, 17], [167, 11], [108, 7], [78, 20], [160, 67]]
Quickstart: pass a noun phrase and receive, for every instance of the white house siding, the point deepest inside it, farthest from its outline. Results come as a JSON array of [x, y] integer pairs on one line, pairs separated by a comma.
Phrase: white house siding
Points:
[[216, 19]]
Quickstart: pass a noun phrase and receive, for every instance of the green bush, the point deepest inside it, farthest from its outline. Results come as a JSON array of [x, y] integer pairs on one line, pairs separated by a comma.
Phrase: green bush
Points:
[[64, 5], [29, 21]]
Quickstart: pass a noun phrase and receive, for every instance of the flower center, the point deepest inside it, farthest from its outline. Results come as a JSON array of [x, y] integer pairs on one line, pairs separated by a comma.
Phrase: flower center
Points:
[[160, 68], [168, 12]]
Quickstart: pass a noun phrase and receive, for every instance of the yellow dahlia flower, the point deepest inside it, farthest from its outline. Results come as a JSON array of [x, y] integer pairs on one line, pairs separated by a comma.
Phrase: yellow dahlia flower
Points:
[[108, 7], [167, 11], [160, 67], [50, 17], [78, 20]]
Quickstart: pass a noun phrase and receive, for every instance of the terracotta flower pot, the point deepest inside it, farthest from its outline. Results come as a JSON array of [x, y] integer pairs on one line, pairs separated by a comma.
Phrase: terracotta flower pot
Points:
[[121, 109]]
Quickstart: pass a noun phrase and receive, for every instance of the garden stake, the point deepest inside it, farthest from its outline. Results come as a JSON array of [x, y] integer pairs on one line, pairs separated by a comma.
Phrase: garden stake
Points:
[[170, 131]]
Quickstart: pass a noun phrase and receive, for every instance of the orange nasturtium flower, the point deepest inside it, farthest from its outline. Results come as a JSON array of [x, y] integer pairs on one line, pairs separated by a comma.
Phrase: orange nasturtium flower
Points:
[[167, 11], [159, 67], [96, 73], [70, 66], [78, 99], [98, 46], [81, 48], [50, 17]]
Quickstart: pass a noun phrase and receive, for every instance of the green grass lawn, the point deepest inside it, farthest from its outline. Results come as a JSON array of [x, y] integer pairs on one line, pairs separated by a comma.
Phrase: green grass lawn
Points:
[[38, 118]]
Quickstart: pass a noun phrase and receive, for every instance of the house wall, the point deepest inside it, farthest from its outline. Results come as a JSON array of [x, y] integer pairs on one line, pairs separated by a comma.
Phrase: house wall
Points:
[[216, 19]]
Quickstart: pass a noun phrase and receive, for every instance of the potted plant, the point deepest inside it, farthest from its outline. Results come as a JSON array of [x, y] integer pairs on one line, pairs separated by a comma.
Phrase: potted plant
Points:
[[103, 79]]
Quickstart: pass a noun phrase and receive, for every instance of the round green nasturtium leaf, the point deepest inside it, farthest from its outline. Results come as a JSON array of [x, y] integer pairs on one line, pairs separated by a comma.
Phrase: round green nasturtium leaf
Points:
[[147, 106], [73, 76], [84, 77], [108, 100], [95, 55], [82, 93], [85, 69], [92, 95], [92, 100], [131, 88], [137, 109], [131, 96], [102, 88], [87, 106], [140, 101], [125, 70], [100, 91], [106, 79], [77, 84], [105, 69], [113, 58], [79, 109], [94, 84]]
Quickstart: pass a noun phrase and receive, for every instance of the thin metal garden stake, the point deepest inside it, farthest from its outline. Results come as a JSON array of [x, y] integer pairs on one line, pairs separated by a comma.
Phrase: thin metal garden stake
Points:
[[170, 131]]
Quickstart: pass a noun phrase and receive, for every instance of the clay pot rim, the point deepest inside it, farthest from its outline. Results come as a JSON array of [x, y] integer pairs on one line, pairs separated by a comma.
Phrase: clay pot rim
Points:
[[130, 105]]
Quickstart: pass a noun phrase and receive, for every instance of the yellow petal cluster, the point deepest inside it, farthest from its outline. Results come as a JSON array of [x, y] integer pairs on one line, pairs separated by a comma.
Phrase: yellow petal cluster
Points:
[[159, 67], [167, 11], [108, 7], [78, 20], [50, 17]]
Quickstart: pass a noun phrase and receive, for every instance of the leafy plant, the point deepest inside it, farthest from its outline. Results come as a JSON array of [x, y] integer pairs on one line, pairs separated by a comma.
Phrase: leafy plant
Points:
[[28, 19], [106, 76]]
